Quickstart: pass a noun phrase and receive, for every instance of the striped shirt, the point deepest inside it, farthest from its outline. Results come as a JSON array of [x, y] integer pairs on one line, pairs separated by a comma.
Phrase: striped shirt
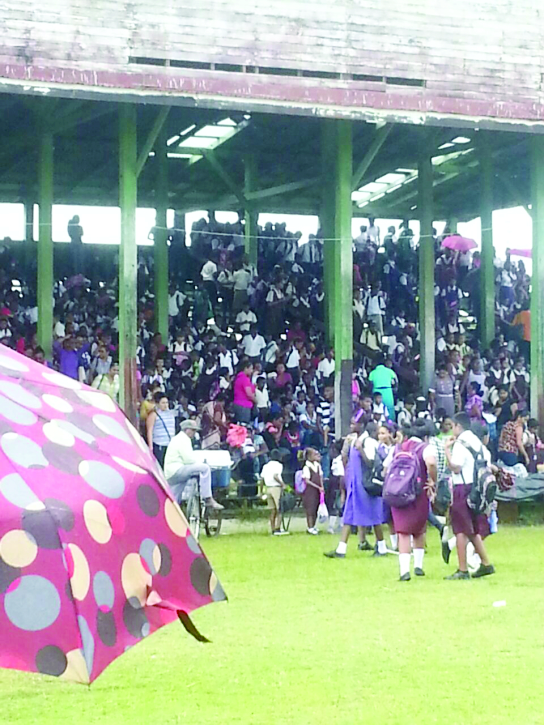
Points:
[[164, 428]]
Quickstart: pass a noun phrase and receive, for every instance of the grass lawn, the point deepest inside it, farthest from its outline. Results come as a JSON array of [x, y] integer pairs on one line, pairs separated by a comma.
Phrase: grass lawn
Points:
[[310, 640]]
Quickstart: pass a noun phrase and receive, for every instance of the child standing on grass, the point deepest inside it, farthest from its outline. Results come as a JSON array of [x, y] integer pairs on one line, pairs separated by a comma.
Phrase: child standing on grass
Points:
[[272, 476], [313, 475]]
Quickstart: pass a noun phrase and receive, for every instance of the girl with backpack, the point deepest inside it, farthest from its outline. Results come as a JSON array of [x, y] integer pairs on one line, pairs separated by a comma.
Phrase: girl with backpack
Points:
[[409, 485], [361, 509], [313, 477]]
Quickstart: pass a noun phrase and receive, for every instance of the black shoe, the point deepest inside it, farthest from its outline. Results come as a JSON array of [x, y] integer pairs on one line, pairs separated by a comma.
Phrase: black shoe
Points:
[[334, 555], [377, 553], [458, 575], [364, 546], [419, 572], [446, 551], [483, 571], [405, 577]]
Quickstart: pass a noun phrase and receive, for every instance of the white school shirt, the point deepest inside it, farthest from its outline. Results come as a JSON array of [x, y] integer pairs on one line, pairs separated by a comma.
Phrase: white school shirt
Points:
[[270, 470], [253, 346], [208, 271], [244, 320], [370, 446], [293, 359], [241, 279], [262, 399], [461, 456], [326, 367], [337, 466], [376, 305]]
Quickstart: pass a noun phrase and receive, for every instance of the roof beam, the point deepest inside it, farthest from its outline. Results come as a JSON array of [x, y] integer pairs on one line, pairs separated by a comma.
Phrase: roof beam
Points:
[[282, 189], [511, 188], [224, 175], [151, 138], [380, 137], [96, 110]]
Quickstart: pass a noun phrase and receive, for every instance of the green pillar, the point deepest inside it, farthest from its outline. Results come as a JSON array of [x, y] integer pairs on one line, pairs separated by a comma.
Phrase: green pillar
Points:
[[426, 271], [487, 286], [45, 244], [128, 259], [537, 280], [343, 274], [326, 218], [161, 239], [251, 217]]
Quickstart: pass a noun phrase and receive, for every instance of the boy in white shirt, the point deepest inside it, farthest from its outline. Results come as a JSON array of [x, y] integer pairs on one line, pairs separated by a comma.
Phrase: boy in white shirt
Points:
[[466, 525], [272, 477]]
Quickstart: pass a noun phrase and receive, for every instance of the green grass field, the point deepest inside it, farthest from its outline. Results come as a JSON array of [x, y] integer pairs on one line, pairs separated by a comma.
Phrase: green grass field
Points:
[[310, 640]]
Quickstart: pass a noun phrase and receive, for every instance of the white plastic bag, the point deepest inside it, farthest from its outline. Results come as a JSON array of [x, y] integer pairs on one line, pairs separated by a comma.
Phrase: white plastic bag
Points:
[[322, 511]]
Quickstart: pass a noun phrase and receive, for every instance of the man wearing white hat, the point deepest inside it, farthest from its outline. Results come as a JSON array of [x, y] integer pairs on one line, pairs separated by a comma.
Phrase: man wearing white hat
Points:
[[180, 465]]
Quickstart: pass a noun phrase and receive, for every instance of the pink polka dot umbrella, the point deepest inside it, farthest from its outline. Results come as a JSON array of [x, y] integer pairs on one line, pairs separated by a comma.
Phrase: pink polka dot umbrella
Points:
[[95, 554]]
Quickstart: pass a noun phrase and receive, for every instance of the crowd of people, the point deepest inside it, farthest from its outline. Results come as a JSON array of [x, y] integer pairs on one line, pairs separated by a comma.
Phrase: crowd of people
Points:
[[247, 345]]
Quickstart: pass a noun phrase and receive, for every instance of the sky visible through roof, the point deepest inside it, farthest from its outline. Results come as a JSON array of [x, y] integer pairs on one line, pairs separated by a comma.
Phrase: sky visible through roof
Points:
[[102, 225]]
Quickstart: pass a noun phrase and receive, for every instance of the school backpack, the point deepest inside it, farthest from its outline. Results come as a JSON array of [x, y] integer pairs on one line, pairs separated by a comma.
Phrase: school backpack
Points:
[[403, 482], [300, 483], [484, 483], [373, 477]]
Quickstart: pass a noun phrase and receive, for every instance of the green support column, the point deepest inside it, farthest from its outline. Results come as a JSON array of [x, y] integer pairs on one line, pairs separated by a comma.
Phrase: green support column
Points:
[[128, 259], [251, 217], [426, 272], [326, 219], [161, 239], [45, 244], [537, 279], [343, 275], [487, 286]]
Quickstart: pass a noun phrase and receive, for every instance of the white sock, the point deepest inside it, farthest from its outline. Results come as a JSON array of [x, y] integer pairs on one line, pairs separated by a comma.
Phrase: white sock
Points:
[[332, 522], [382, 548], [394, 540], [452, 543], [342, 547], [418, 558], [404, 564]]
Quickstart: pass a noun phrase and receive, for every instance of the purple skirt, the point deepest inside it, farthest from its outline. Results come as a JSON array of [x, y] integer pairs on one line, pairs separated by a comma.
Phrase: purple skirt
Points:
[[360, 509], [463, 519], [412, 519]]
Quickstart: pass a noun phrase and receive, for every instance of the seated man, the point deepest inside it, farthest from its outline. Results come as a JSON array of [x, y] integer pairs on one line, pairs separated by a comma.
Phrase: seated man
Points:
[[180, 465]]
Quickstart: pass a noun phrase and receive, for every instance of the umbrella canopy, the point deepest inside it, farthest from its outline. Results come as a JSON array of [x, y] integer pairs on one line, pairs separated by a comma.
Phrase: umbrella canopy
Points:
[[459, 244], [95, 554], [521, 253]]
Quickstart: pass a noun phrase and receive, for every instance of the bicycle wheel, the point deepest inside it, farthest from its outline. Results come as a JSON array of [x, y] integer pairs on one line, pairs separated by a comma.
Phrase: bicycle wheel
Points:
[[212, 522], [193, 513]]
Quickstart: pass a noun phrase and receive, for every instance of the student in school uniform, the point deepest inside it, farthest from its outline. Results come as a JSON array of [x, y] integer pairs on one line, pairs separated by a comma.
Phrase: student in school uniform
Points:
[[360, 509], [411, 521], [313, 476], [466, 525]]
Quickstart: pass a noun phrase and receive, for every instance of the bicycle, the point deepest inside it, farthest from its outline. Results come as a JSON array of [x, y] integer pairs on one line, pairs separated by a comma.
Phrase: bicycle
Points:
[[192, 505], [197, 512]]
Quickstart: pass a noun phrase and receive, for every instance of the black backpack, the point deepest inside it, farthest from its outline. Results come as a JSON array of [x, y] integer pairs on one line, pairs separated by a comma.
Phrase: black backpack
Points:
[[484, 483], [373, 477]]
